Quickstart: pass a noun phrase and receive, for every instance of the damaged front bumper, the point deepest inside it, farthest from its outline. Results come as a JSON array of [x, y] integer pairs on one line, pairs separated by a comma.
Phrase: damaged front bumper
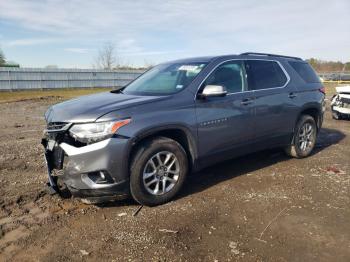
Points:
[[95, 170], [340, 103]]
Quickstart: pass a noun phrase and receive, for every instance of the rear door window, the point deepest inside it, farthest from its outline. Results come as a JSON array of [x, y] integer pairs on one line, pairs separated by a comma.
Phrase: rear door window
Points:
[[262, 74], [305, 71]]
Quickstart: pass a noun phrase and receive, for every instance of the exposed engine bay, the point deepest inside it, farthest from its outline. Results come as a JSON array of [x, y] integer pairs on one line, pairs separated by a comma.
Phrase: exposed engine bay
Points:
[[340, 103]]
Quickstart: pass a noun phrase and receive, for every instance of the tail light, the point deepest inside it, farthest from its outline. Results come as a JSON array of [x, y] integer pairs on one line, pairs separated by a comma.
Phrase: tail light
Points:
[[322, 90]]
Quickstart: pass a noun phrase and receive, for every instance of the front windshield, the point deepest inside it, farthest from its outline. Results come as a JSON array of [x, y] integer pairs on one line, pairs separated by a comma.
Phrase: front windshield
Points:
[[164, 79]]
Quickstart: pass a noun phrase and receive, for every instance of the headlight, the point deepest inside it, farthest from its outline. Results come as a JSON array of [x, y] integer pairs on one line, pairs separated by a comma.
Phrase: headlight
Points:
[[94, 132]]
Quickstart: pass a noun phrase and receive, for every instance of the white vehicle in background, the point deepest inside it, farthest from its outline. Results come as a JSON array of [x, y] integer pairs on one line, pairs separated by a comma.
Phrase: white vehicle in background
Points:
[[340, 103]]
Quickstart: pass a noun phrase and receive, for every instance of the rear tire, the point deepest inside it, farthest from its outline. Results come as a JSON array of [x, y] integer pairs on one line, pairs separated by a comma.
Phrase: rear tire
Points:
[[157, 171], [304, 138]]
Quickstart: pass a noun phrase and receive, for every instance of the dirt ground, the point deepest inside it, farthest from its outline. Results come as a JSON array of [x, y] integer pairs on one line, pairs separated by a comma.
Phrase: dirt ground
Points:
[[261, 207]]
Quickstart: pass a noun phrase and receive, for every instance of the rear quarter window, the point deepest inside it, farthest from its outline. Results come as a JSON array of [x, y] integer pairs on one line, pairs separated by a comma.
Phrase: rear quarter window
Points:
[[305, 71]]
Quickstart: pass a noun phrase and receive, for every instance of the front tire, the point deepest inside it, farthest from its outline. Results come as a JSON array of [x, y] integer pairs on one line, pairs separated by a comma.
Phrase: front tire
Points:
[[304, 138], [158, 171]]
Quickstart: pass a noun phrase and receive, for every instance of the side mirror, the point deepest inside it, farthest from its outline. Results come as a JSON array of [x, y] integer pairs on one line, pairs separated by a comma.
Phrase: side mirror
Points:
[[213, 91]]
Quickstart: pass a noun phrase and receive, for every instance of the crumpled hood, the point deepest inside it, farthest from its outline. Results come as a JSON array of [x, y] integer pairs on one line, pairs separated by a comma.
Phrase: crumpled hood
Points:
[[89, 108]]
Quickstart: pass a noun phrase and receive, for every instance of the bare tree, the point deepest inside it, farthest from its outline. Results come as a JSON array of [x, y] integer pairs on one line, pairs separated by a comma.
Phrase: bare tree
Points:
[[147, 64], [106, 58]]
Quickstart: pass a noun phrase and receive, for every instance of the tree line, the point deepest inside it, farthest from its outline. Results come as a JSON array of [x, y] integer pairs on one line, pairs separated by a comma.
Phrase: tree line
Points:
[[322, 66], [2, 58]]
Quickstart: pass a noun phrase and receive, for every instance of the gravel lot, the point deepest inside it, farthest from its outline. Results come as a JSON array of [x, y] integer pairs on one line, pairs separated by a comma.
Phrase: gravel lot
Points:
[[261, 207]]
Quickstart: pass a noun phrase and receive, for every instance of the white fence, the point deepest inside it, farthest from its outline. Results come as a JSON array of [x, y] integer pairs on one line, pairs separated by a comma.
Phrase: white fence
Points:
[[32, 78]]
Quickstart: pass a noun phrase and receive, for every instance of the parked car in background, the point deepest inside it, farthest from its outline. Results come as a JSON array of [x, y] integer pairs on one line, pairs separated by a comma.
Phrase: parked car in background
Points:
[[180, 117], [340, 103], [345, 77]]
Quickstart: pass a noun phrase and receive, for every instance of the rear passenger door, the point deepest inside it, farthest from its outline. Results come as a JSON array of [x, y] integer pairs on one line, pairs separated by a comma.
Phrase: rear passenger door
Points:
[[274, 105]]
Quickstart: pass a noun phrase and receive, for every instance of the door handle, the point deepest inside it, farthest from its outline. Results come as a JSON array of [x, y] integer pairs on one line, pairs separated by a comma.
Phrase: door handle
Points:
[[292, 95], [246, 101]]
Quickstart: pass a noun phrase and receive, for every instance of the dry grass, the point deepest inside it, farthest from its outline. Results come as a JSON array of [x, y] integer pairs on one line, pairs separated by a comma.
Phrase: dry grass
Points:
[[11, 96], [330, 88]]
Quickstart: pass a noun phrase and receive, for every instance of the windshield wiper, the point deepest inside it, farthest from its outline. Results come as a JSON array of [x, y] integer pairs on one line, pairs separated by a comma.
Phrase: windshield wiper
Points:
[[117, 91]]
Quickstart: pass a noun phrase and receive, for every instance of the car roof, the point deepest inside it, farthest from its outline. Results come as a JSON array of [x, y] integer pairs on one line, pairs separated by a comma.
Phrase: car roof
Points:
[[200, 59], [248, 55]]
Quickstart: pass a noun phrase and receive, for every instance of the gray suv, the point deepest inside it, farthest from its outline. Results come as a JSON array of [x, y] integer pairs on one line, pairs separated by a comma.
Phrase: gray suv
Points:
[[177, 118]]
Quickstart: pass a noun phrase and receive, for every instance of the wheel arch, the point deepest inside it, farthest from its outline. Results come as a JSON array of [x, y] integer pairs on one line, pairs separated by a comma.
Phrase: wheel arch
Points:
[[313, 110], [179, 133]]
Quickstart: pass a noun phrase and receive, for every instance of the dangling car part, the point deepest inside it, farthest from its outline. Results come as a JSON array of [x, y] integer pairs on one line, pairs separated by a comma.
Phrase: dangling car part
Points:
[[340, 104]]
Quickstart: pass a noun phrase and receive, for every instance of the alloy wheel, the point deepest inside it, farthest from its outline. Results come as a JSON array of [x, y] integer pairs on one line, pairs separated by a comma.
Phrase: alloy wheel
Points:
[[306, 137], [161, 173]]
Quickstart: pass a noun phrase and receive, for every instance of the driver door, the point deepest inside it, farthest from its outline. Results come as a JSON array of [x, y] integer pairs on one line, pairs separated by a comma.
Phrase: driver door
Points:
[[225, 124]]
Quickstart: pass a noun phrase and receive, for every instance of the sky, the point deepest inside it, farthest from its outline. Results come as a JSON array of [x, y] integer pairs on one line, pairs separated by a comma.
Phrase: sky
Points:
[[69, 33]]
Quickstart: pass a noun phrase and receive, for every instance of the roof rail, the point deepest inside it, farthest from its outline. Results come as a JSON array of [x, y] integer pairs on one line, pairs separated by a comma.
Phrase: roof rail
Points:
[[265, 54]]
